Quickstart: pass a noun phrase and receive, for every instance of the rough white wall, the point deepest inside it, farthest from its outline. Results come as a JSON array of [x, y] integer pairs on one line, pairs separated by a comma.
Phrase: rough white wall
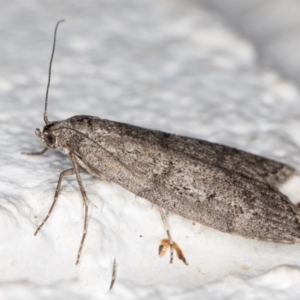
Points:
[[168, 65]]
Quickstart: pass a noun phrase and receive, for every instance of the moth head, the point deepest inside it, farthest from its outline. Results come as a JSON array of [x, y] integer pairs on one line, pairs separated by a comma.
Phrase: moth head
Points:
[[48, 137]]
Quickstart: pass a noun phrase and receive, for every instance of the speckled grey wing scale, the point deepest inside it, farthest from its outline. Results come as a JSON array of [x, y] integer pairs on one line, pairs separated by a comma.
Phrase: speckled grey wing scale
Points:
[[255, 167], [149, 163]]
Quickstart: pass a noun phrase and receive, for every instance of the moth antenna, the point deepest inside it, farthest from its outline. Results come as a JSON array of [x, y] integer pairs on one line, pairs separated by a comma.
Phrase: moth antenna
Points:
[[49, 74]]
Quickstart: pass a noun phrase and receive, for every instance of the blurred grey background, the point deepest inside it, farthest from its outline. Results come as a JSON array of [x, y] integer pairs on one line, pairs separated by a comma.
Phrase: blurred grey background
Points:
[[272, 25]]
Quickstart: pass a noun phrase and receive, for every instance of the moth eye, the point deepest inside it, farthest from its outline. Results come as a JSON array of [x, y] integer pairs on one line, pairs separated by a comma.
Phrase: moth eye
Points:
[[50, 139]]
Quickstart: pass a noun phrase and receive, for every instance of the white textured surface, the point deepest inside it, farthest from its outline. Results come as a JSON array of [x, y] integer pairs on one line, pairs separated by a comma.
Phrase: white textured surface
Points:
[[168, 65]]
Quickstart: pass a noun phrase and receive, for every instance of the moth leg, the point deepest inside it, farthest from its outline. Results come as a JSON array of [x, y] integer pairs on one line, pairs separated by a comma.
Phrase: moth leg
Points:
[[113, 275], [180, 253], [85, 203], [161, 246], [35, 153], [61, 175], [166, 243]]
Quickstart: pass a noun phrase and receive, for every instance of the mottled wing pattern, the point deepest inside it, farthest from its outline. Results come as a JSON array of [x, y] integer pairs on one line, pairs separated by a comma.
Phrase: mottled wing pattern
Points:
[[253, 166], [151, 165]]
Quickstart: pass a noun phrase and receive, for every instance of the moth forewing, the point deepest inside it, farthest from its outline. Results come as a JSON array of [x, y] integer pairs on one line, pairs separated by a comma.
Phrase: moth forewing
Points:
[[197, 190], [244, 163]]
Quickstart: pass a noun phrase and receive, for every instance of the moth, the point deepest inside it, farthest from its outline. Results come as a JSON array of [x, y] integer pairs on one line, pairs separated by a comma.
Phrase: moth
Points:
[[220, 187]]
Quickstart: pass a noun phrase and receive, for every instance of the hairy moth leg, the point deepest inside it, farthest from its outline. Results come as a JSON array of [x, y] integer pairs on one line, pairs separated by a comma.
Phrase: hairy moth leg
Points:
[[35, 153], [77, 169], [161, 250], [61, 175], [166, 243], [114, 274]]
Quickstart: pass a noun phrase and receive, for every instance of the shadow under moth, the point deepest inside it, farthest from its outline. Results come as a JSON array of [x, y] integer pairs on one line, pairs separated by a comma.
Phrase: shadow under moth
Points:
[[220, 187]]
